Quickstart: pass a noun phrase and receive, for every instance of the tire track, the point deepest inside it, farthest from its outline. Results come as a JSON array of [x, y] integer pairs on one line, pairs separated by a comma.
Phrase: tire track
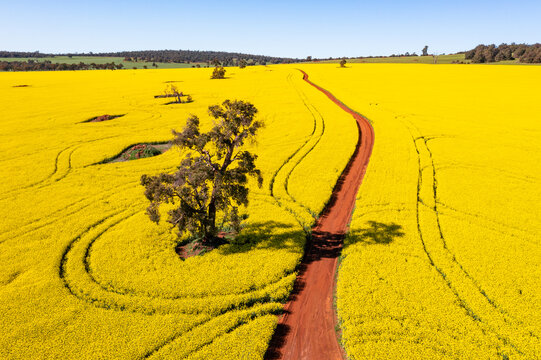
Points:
[[304, 99], [108, 222], [236, 323], [83, 293], [16, 192], [23, 229], [524, 236], [8, 194], [131, 292], [280, 201], [450, 269]]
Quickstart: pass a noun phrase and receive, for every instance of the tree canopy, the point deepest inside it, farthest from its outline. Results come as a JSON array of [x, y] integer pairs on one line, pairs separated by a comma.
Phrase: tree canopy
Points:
[[212, 178], [218, 73]]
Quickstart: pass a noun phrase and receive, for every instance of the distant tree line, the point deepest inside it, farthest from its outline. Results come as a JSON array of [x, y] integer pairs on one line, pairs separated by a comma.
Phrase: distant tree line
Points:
[[406, 54], [47, 65], [20, 54], [492, 53], [191, 56], [170, 56]]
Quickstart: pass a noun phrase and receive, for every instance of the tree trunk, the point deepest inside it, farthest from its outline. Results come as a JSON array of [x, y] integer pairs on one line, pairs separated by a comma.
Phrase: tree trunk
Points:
[[211, 224], [211, 218], [210, 235]]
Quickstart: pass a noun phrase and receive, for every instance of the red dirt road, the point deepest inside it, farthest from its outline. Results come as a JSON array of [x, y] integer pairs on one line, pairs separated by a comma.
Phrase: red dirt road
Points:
[[307, 328]]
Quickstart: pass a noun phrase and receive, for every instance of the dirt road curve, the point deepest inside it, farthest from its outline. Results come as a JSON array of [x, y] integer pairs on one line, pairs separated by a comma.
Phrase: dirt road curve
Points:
[[307, 328]]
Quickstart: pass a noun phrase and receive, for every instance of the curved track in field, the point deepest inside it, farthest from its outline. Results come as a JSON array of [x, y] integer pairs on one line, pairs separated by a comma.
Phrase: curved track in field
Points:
[[307, 328]]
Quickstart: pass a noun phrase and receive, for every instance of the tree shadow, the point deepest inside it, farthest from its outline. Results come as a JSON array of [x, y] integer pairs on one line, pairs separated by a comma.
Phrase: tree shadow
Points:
[[277, 342], [265, 235], [375, 233], [319, 244]]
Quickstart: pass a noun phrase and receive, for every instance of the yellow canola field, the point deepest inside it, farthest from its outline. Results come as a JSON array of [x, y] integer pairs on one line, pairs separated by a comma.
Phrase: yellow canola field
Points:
[[84, 274], [443, 257]]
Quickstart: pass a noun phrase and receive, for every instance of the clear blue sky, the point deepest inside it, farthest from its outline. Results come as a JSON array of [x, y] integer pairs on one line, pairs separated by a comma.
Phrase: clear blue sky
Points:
[[277, 28]]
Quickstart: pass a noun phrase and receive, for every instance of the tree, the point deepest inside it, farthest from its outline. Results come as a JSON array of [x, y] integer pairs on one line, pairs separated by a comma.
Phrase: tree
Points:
[[242, 63], [479, 57], [212, 177], [425, 50], [218, 73], [532, 54], [343, 63], [490, 53], [172, 91], [308, 58], [519, 51]]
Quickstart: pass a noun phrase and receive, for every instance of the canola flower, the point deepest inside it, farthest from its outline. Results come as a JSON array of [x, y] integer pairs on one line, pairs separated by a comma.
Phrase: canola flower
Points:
[[84, 273], [442, 259]]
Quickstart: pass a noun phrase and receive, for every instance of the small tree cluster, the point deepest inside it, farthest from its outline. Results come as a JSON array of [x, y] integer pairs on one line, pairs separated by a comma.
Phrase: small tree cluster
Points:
[[343, 63], [532, 54], [492, 53], [218, 73], [212, 177]]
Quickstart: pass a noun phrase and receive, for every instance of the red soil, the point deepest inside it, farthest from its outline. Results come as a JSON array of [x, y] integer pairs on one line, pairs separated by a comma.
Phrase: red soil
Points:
[[101, 118], [307, 330]]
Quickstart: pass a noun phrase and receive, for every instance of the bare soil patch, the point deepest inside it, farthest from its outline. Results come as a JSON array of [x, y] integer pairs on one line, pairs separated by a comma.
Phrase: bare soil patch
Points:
[[194, 248], [104, 117], [165, 96]]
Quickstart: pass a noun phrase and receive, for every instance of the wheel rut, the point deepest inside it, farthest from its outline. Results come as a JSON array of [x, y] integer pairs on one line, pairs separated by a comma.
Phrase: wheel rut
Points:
[[306, 330], [483, 309]]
